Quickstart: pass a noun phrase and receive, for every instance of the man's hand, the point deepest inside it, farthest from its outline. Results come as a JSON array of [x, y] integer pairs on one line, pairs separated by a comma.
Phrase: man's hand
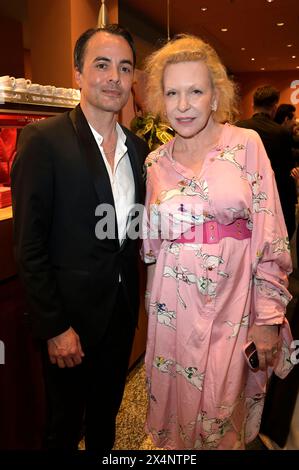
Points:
[[295, 173], [267, 342], [65, 349]]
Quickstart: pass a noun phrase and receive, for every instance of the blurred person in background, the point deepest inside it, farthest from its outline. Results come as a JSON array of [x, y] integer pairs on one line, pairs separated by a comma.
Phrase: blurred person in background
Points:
[[278, 144], [279, 426], [286, 117]]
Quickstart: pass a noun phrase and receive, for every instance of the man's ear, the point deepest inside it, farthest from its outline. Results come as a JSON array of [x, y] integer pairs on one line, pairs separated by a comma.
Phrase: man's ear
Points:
[[78, 77]]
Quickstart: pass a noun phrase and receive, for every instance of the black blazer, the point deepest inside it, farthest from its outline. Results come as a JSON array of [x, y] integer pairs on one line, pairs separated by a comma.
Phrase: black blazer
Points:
[[58, 179], [278, 144]]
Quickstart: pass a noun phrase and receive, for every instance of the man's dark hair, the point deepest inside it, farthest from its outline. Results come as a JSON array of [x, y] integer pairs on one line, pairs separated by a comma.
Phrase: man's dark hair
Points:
[[82, 41], [265, 97], [283, 111]]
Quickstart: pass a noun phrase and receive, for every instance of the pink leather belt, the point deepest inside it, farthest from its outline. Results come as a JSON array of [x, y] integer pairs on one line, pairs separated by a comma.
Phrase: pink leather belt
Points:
[[213, 232]]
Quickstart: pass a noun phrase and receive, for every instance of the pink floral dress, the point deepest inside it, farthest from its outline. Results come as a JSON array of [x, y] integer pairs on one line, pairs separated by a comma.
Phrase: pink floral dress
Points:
[[202, 394]]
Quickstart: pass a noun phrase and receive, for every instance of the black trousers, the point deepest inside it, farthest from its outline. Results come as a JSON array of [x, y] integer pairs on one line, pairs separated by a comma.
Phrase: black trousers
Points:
[[282, 393], [85, 399]]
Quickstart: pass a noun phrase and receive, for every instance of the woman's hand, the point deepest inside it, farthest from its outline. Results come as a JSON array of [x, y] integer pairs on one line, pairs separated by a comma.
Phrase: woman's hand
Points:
[[267, 342]]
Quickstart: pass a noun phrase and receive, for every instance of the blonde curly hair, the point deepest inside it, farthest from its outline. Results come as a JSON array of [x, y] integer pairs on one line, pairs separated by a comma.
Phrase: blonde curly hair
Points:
[[187, 48]]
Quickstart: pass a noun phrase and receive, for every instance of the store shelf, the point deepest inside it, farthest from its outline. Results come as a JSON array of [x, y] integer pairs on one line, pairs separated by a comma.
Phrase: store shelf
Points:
[[6, 213], [25, 98]]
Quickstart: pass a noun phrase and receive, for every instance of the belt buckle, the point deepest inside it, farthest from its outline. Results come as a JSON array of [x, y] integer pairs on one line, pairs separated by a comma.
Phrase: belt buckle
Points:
[[212, 232]]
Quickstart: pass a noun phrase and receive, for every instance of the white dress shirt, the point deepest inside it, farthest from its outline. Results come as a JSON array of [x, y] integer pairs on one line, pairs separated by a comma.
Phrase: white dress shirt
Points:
[[121, 179]]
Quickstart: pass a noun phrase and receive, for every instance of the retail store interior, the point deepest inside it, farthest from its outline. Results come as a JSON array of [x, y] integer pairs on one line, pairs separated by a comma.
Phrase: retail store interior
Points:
[[258, 43]]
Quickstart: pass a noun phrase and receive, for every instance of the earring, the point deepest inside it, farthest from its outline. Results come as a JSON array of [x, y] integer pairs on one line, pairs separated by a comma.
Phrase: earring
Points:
[[214, 106]]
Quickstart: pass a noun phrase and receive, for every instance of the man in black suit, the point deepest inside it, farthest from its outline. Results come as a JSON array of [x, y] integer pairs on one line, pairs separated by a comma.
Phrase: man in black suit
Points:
[[71, 172], [278, 145]]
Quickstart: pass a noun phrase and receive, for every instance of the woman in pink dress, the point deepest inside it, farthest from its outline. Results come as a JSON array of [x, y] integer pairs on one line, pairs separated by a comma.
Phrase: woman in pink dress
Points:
[[218, 256]]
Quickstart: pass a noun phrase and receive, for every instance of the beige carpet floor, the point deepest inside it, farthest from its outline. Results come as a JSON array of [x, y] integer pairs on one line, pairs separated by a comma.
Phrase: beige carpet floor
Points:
[[130, 434]]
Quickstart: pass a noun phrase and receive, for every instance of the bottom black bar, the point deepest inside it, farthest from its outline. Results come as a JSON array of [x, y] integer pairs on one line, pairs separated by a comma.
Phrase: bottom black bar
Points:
[[142, 458]]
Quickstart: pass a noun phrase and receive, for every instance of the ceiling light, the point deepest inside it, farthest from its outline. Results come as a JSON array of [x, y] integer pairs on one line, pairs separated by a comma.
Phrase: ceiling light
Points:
[[103, 15], [289, 45], [203, 8], [270, 1], [293, 57], [262, 68], [280, 24], [243, 49], [297, 66], [224, 30], [252, 58]]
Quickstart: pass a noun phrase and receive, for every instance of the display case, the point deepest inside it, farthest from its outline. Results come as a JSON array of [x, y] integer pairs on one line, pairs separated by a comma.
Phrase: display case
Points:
[[13, 117]]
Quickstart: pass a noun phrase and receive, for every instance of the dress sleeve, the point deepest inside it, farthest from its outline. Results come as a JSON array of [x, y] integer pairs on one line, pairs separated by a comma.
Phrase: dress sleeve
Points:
[[270, 252], [151, 218]]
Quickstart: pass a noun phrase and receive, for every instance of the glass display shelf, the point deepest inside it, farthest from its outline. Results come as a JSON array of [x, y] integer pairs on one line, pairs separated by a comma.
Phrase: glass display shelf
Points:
[[24, 98]]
